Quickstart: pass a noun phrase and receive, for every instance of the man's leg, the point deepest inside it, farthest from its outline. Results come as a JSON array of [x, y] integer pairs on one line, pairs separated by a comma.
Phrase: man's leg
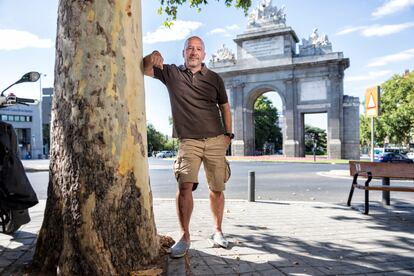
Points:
[[184, 204], [217, 208]]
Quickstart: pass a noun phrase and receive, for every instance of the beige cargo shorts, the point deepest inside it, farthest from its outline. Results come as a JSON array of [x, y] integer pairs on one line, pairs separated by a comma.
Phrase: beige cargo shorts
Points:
[[209, 151]]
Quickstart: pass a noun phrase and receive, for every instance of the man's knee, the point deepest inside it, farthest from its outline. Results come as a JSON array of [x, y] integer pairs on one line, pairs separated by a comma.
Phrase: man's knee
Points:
[[216, 194], [185, 188]]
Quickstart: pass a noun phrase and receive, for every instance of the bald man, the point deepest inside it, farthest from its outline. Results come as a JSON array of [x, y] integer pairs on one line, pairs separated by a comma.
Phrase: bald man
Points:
[[202, 123]]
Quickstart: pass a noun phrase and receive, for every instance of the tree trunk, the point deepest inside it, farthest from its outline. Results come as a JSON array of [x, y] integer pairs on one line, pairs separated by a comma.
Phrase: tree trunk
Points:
[[98, 218]]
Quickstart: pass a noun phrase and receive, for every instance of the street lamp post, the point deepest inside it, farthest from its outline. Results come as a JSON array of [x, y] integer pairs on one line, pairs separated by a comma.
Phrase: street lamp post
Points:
[[41, 115]]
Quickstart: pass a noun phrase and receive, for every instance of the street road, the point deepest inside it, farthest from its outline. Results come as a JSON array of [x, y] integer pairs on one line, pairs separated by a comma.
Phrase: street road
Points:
[[274, 181]]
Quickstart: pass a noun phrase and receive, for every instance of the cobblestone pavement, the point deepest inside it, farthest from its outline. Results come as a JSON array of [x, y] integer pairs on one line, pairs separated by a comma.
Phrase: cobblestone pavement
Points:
[[295, 238], [270, 238]]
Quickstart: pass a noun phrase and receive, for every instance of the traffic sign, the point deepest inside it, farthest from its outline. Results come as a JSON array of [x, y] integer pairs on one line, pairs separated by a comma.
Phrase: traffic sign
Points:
[[372, 101]]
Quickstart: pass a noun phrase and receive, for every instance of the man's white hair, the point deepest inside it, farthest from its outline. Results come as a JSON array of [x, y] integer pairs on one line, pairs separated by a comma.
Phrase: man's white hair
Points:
[[193, 37]]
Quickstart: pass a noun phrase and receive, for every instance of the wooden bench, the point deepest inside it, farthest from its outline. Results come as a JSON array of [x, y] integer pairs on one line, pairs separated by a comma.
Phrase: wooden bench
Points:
[[385, 171]]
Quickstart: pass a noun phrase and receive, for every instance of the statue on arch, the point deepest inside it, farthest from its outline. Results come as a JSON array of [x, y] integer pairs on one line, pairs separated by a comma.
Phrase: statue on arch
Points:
[[317, 40], [266, 14], [223, 55], [315, 44]]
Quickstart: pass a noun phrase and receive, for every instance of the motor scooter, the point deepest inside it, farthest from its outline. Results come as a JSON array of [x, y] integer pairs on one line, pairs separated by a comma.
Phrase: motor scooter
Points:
[[16, 192]]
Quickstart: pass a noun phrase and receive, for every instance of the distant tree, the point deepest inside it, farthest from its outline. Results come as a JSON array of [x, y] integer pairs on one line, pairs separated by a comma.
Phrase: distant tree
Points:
[[396, 121], [397, 108], [365, 131], [319, 135], [156, 140], [171, 144], [266, 124]]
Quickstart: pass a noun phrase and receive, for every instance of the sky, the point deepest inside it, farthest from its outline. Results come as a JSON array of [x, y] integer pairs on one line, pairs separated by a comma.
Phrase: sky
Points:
[[376, 35]]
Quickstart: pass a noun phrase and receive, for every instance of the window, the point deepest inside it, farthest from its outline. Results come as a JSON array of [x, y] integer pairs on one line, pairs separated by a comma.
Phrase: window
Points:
[[15, 118]]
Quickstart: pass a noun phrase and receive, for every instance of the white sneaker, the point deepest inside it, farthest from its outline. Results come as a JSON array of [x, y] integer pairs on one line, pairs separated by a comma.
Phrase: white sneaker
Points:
[[179, 249], [219, 239]]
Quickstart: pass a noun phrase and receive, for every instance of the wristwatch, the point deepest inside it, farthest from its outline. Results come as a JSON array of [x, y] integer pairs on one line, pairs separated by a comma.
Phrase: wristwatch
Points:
[[231, 135]]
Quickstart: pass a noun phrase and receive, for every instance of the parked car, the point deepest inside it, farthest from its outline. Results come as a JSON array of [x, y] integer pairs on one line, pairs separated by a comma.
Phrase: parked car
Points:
[[165, 154], [380, 152], [410, 155], [393, 157]]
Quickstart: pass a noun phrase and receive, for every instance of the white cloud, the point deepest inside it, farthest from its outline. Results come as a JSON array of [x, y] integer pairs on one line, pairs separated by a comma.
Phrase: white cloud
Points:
[[178, 31], [348, 30], [233, 27], [392, 6], [226, 31], [384, 30], [401, 56], [377, 30], [217, 31], [15, 40], [369, 76]]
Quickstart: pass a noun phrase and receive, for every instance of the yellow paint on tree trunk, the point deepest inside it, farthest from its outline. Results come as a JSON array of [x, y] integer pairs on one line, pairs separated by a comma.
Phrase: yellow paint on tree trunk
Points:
[[113, 150], [78, 63], [91, 15], [131, 158], [109, 88]]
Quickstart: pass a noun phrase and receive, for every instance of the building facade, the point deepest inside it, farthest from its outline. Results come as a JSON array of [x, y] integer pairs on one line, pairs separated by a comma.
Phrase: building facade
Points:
[[26, 121]]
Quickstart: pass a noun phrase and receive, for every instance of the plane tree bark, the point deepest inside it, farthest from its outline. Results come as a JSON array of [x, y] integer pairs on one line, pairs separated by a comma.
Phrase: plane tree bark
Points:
[[98, 218]]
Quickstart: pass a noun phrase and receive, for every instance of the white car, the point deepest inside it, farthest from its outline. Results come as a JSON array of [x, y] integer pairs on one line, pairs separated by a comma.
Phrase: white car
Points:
[[165, 154], [410, 155]]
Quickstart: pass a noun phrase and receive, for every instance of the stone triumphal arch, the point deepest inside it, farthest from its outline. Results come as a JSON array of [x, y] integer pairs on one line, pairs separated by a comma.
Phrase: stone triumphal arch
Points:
[[308, 80]]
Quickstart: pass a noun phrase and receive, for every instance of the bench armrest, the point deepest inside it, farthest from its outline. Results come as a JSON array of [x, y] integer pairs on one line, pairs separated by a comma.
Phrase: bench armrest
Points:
[[369, 174]]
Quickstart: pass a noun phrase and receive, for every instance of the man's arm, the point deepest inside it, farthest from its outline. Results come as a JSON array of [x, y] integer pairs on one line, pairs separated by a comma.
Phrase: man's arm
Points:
[[226, 113], [152, 60]]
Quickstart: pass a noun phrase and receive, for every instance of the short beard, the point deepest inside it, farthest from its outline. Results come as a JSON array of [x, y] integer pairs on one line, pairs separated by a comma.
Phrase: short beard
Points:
[[191, 65]]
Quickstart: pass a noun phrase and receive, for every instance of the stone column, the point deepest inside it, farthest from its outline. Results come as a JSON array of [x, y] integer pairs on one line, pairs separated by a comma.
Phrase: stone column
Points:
[[351, 146], [334, 133], [248, 131], [290, 141], [236, 96]]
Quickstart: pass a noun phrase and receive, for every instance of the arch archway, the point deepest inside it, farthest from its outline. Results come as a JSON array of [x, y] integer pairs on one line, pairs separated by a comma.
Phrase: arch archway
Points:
[[267, 127]]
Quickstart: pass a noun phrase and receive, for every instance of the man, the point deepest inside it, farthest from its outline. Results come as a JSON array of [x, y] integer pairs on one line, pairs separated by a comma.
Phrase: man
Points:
[[202, 122]]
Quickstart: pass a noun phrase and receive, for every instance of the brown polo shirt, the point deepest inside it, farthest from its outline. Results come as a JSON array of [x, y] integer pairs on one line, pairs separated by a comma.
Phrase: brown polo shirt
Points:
[[195, 100]]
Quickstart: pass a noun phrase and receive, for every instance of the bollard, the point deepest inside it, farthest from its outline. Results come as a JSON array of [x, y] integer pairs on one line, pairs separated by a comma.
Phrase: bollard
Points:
[[251, 186]]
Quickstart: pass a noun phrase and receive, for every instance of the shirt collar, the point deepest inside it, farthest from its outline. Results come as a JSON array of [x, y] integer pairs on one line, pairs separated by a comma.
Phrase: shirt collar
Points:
[[203, 70]]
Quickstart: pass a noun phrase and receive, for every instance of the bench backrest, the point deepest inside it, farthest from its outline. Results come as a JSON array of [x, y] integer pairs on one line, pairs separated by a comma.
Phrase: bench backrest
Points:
[[391, 170]]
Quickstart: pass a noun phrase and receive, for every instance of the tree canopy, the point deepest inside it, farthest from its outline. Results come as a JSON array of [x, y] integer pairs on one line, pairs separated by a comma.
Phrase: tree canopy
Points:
[[315, 134], [266, 124], [170, 7], [158, 141], [396, 121], [397, 106], [155, 139]]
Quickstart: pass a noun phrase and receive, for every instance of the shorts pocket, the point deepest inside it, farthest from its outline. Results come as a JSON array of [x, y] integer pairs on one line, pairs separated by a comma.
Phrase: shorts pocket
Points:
[[177, 168], [227, 170]]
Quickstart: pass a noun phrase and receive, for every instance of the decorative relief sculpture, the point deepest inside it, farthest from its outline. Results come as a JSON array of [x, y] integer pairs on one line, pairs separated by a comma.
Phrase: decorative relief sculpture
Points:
[[224, 56], [265, 14], [315, 45]]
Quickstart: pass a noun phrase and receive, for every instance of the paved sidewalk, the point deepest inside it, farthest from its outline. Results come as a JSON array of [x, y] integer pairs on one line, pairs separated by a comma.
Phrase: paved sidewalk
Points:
[[271, 238]]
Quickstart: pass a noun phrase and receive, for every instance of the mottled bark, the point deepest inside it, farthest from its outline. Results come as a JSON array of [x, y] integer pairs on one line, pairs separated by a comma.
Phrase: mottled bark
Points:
[[99, 217]]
